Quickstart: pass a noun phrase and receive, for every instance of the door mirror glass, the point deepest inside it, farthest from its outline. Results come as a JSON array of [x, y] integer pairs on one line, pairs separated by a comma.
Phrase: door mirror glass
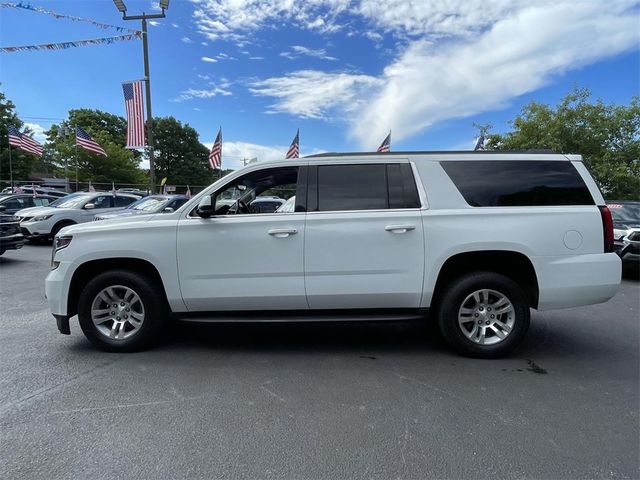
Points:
[[205, 209], [89, 206], [168, 209]]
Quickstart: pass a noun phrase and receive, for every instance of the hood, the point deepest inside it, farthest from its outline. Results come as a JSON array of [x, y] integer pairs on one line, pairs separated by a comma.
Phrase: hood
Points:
[[33, 211], [125, 212], [117, 223]]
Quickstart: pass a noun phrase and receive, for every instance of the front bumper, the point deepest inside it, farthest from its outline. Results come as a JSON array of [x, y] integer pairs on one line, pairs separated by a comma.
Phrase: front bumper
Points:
[[12, 242], [36, 229]]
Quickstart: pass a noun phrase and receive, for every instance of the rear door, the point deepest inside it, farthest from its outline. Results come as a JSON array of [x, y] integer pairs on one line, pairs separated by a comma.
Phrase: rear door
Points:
[[364, 243]]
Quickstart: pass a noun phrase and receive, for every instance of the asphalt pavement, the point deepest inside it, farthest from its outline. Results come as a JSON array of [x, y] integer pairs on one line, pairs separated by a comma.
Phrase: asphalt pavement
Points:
[[338, 401]]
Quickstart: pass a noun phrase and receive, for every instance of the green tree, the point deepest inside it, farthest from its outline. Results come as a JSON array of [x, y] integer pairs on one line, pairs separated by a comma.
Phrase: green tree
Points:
[[119, 166], [179, 155], [21, 162], [607, 136]]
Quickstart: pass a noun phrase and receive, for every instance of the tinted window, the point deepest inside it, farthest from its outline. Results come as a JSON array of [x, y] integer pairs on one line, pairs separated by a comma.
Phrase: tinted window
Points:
[[518, 183], [102, 201], [124, 201], [352, 187], [402, 186], [16, 203]]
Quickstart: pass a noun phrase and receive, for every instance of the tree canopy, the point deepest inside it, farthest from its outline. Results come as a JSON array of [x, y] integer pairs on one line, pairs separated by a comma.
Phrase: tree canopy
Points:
[[606, 135], [22, 162]]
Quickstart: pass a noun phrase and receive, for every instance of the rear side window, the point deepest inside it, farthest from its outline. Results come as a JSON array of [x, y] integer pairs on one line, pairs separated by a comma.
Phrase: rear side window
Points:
[[363, 187], [518, 183], [124, 201]]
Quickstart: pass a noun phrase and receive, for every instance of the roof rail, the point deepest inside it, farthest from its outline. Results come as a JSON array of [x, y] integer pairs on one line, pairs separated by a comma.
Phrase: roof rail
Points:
[[426, 152]]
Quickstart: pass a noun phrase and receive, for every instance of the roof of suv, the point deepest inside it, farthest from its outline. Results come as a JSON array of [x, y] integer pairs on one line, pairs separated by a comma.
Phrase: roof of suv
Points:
[[433, 152]]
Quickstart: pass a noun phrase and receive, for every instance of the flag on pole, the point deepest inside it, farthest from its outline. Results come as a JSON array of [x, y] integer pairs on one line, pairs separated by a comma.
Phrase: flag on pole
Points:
[[91, 189], [84, 140], [135, 113], [480, 142], [294, 149], [15, 137], [113, 189], [385, 146], [215, 157], [188, 192], [31, 146], [19, 190]]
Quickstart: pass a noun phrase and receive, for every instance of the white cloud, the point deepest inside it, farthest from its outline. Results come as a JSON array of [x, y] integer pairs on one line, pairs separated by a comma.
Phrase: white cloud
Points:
[[204, 77], [311, 93], [154, 23], [234, 152], [309, 52], [208, 59], [186, 40], [38, 132], [175, 25], [195, 93], [256, 58], [494, 53]]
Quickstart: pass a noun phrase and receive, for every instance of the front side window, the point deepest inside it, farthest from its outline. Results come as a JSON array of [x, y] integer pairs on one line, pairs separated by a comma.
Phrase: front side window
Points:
[[124, 201], [41, 202], [238, 197], [103, 201]]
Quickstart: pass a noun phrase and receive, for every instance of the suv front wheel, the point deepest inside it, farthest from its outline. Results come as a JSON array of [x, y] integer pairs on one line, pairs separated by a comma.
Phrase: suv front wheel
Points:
[[483, 314], [122, 311]]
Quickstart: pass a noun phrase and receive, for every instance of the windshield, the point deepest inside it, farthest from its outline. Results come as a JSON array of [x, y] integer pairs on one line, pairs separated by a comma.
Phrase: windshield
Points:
[[625, 213], [149, 204], [71, 201]]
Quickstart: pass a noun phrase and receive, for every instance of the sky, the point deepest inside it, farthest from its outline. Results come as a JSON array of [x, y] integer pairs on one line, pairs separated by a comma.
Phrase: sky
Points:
[[344, 72]]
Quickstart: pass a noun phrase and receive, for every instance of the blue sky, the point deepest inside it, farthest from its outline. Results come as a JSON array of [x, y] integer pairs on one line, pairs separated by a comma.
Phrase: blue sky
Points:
[[343, 71]]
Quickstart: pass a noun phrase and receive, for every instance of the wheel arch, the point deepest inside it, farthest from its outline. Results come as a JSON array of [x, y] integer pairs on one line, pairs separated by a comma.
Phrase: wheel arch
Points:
[[91, 268], [514, 265]]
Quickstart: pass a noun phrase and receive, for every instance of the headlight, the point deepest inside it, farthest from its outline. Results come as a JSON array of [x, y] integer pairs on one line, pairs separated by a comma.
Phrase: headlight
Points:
[[59, 243], [41, 218]]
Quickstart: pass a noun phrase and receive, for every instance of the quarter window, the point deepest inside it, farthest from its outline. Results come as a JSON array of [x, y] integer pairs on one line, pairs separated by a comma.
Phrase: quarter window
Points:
[[511, 183]]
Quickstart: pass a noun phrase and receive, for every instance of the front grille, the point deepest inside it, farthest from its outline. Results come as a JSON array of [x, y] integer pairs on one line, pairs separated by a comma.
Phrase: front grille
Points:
[[7, 229]]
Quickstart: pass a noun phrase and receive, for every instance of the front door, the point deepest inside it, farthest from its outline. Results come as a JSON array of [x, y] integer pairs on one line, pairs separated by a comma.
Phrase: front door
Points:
[[364, 243], [240, 259]]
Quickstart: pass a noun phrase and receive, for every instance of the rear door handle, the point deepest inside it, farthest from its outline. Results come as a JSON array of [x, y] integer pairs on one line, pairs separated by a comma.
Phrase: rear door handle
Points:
[[399, 228], [282, 232]]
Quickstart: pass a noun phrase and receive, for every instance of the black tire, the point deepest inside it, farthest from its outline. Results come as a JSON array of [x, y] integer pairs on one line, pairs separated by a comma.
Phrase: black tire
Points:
[[152, 298], [452, 301]]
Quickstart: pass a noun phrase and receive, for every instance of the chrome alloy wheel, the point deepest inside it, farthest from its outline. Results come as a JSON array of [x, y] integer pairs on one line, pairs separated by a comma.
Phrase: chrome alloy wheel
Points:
[[117, 312], [486, 317]]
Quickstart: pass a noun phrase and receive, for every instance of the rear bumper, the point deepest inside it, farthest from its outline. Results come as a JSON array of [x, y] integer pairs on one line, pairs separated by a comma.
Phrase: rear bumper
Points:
[[577, 280]]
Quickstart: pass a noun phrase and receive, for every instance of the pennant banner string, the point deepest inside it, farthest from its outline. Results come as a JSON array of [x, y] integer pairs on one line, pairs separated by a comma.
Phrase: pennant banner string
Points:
[[77, 43], [26, 6]]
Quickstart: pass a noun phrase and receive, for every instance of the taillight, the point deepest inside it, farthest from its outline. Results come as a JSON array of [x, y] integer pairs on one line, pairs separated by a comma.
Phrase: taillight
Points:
[[607, 227]]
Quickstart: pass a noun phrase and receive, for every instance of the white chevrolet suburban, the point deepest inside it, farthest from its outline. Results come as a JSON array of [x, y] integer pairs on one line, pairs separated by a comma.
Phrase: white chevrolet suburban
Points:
[[476, 239]]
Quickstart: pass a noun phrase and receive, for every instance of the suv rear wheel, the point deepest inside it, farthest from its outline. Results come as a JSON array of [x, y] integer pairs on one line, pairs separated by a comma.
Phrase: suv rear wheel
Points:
[[122, 311], [483, 314]]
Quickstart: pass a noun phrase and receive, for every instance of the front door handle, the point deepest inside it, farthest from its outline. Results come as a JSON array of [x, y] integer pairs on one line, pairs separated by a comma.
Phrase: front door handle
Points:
[[282, 232], [399, 228]]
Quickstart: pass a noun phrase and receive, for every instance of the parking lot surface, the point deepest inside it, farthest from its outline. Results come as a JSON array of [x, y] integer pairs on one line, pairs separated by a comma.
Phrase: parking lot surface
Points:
[[316, 400]]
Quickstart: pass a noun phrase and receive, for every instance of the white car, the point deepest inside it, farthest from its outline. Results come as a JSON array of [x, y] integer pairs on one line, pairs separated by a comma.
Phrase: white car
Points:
[[46, 222], [476, 239]]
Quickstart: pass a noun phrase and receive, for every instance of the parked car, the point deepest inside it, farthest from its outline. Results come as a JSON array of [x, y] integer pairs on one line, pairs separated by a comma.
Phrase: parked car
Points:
[[266, 204], [53, 192], [476, 239], [45, 222], [626, 228], [134, 191], [10, 236], [146, 206], [10, 204]]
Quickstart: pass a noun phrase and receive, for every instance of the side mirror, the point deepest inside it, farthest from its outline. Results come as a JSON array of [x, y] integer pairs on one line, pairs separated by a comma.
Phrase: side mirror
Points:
[[205, 209], [167, 210], [89, 206]]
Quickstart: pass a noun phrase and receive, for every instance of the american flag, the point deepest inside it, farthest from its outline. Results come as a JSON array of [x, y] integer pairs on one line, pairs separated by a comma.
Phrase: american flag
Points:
[[135, 114], [84, 140], [480, 142], [15, 137], [31, 146], [188, 192], [215, 157], [294, 149], [385, 146], [91, 188]]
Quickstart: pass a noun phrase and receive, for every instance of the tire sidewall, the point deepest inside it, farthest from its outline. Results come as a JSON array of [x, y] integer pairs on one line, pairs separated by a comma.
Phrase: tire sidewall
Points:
[[154, 308], [459, 290]]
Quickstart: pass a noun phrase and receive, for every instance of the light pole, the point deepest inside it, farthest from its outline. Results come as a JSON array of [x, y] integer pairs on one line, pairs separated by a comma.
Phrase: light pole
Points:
[[164, 5]]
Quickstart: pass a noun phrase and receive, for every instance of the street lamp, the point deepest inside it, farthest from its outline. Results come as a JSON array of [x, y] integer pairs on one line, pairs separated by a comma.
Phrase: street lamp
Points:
[[122, 8]]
